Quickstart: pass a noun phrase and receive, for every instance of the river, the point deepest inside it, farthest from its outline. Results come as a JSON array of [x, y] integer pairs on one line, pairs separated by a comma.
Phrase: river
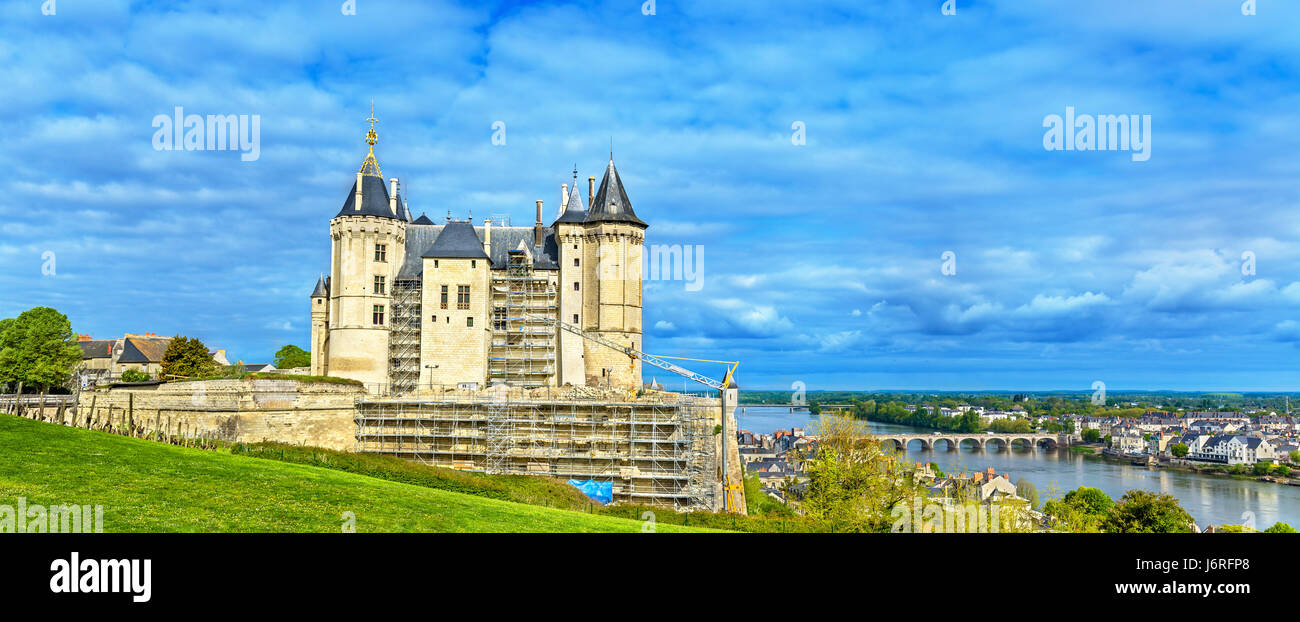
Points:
[[1209, 499]]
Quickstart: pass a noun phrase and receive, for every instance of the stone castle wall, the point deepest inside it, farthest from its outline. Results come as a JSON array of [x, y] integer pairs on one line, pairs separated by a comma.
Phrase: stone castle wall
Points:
[[248, 411]]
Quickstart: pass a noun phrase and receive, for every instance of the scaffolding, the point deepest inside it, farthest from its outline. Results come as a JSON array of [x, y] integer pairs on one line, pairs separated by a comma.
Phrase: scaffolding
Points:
[[524, 305], [404, 337], [658, 453]]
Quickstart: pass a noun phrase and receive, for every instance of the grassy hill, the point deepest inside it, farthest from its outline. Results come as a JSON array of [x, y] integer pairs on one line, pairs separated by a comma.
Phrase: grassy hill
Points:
[[154, 487]]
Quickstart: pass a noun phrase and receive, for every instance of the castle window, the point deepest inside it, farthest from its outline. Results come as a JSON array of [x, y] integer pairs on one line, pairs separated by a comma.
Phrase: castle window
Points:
[[377, 315], [575, 286], [462, 297], [444, 296], [381, 252], [469, 321], [575, 318], [379, 284], [435, 263], [434, 318], [575, 262], [498, 318], [473, 263]]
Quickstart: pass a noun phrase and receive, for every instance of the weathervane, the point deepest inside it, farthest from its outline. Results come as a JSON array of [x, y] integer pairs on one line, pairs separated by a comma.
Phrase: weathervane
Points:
[[371, 166]]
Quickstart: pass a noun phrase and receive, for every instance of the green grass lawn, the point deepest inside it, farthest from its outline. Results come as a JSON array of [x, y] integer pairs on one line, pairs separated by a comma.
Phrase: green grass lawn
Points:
[[153, 487]]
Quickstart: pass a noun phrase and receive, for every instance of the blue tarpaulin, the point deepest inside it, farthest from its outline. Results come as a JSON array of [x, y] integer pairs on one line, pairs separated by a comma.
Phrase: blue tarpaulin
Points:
[[598, 491]]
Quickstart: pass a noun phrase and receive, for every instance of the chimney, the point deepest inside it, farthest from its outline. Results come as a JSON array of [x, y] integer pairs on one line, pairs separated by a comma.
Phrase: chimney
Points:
[[487, 238], [564, 199], [392, 195], [591, 191], [357, 205], [537, 226]]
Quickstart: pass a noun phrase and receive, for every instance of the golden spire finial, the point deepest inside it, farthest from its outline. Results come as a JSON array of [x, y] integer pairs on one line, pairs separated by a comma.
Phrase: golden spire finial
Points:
[[371, 136], [371, 166]]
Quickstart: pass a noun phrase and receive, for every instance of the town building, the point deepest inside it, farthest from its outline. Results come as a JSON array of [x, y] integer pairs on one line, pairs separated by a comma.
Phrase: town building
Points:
[[104, 360]]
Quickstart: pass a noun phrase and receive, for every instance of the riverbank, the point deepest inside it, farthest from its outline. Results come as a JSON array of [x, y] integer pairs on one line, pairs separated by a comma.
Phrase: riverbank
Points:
[[1208, 469]]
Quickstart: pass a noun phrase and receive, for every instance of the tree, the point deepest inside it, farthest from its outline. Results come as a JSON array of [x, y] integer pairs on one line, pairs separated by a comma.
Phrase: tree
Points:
[[291, 356], [1280, 528], [186, 358], [1179, 450], [132, 375], [1025, 489], [852, 484], [38, 348], [1262, 468], [1081, 510], [1282, 470], [1143, 511], [1295, 456], [1091, 435]]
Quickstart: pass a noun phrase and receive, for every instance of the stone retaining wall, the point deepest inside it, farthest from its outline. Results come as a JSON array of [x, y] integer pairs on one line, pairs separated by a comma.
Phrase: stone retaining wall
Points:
[[250, 411]]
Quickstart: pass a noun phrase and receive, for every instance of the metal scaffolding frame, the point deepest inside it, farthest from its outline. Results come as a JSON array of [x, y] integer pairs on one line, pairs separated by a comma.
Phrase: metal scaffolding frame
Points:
[[659, 453], [524, 306], [404, 337]]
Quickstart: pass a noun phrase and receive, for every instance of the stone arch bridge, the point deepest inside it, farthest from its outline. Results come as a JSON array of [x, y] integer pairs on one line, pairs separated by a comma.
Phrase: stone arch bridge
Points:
[[977, 441]]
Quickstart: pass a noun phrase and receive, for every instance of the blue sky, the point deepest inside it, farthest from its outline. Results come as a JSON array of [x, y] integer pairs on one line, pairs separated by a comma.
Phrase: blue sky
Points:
[[822, 261]]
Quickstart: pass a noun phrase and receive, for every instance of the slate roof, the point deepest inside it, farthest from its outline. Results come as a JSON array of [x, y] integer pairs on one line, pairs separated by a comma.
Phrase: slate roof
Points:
[[139, 350], [611, 203], [422, 220], [458, 240], [374, 199], [573, 210], [97, 348], [421, 238], [321, 289]]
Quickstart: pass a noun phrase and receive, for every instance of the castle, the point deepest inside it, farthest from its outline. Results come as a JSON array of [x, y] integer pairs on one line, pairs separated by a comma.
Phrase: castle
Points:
[[410, 305]]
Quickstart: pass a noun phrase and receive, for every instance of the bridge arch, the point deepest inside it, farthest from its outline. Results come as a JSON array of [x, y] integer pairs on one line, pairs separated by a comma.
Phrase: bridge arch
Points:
[[1020, 442], [950, 443], [1045, 442], [906, 441], [976, 443], [998, 441]]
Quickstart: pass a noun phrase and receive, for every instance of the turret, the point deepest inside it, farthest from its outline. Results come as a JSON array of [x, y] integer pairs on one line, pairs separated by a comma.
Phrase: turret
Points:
[[369, 245], [611, 303], [320, 328]]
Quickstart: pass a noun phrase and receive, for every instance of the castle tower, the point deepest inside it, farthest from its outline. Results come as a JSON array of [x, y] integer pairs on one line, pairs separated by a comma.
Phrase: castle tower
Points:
[[368, 243], [612, 254], [320, 327], [570, 234]]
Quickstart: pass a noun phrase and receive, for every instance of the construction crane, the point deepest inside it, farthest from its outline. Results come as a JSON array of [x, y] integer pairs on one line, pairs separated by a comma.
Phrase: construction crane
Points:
[[660, 361]]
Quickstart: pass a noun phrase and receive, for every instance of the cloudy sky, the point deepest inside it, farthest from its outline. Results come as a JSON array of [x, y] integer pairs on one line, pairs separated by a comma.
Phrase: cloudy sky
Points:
[[867, 180]]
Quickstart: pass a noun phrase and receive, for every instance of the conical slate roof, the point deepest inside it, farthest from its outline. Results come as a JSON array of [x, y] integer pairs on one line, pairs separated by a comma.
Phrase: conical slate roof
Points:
[[611, 203], [320, 290], [374, 199], [573, 210], [458, 241]]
